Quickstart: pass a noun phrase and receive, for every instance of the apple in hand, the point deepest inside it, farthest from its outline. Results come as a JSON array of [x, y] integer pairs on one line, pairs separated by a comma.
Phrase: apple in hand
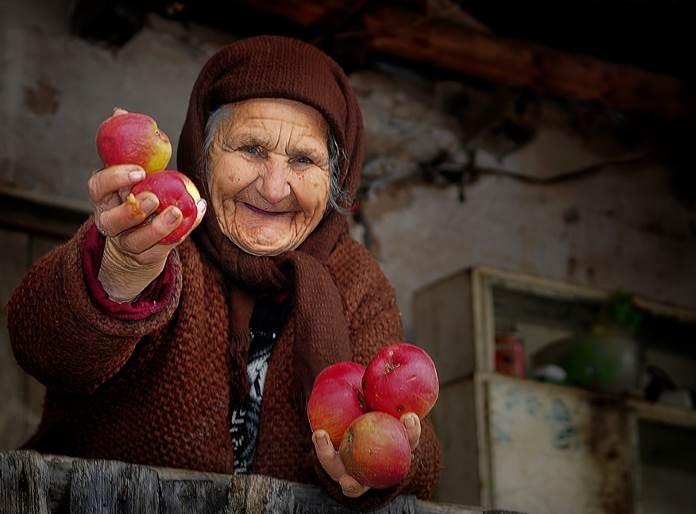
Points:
[[401, 378], [171, 188], [336, 399], [133, 138], [375, 450]]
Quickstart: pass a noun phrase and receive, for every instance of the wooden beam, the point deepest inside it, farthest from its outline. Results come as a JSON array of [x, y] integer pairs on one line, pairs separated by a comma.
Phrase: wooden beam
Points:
[[37, 218], [398, 33], [299, 11]]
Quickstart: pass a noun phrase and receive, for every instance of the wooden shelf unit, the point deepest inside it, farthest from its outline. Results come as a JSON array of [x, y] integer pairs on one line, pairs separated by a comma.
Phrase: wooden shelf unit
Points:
[[520, 444]]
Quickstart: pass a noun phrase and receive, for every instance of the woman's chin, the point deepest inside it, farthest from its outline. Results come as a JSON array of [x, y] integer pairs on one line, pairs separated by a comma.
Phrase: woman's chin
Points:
[[263, 252], [264, 247]]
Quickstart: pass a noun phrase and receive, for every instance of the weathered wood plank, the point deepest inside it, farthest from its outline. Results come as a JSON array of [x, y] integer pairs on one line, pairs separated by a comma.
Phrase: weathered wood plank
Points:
[[580, 455], [113, 487], [256, 493], [312, 500], [59, 476], [74, 486], [186, 496], [23, 477], [424, 507], [253, 493]]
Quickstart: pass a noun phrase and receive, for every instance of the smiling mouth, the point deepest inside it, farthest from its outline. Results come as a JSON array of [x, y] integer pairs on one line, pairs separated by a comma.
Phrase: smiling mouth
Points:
[[263, 212]]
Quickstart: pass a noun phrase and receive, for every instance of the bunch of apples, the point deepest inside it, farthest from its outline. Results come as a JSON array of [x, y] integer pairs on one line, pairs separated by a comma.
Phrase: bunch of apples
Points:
[[361, 407], [135, 138]]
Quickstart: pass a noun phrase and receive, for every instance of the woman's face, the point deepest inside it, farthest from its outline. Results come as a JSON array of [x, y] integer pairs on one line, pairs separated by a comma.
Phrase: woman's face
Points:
[[268, 174]]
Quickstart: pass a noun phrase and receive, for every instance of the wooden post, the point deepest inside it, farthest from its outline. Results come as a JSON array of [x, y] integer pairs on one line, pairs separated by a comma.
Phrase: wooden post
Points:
[[185, 496], [102, 487], [23, 483]]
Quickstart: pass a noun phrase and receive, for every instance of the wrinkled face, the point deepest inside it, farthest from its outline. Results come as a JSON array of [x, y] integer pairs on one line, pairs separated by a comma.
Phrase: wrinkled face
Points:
[[268, 174]]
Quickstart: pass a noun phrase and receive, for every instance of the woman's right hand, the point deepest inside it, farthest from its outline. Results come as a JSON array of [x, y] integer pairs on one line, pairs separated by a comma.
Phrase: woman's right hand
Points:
[[133, 256]]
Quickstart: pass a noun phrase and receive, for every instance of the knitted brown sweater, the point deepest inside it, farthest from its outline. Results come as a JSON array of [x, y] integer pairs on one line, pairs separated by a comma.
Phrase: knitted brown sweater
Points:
[[156, 391]]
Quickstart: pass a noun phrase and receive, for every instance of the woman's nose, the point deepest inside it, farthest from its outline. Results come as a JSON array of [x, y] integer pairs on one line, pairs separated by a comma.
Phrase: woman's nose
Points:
[[273, 182]]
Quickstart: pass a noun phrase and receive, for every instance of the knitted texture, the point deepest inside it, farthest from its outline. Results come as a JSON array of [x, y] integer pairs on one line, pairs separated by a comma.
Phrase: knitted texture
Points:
[[156, 391], [147, 302]]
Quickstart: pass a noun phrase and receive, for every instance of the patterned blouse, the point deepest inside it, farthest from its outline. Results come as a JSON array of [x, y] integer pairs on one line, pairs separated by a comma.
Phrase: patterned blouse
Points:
[[266, 322]]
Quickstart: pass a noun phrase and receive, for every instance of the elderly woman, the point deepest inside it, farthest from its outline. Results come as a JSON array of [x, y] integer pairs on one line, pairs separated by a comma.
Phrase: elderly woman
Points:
[[201, 354]]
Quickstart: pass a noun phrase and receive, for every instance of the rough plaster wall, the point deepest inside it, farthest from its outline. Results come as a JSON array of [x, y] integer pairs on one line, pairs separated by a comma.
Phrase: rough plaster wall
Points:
[[55, 89], [618, 228], [612, 241]]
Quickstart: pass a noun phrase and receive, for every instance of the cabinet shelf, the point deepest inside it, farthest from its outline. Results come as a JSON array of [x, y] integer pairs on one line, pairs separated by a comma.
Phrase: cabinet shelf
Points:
[[664, 414], [526, 445], [656, 412]]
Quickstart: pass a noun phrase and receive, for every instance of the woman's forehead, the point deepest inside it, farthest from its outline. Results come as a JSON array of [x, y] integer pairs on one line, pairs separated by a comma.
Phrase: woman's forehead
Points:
[[266, 112]]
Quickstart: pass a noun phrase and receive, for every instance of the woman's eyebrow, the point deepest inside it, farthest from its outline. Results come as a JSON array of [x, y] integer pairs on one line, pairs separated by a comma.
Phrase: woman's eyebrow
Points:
[[245, 137], [307, 149], [250, 137]]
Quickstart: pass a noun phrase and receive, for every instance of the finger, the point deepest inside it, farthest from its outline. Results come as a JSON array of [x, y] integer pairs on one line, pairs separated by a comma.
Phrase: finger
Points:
[[109, 181], [118, 111], [351, 487], [201, 206], [124, 217], [159, 251], [148, 235], [413, 428], [328, 457]]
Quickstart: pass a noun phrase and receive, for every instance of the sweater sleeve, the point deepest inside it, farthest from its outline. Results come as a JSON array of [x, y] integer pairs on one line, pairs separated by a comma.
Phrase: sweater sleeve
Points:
[[150, 301], [376, 322], [62, 335]]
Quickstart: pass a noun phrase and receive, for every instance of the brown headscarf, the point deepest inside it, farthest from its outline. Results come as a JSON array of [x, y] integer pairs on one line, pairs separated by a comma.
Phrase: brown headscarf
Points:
[[279, 67]]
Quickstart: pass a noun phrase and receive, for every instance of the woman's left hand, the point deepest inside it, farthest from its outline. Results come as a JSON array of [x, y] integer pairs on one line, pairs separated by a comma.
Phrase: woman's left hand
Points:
[[331, 461]]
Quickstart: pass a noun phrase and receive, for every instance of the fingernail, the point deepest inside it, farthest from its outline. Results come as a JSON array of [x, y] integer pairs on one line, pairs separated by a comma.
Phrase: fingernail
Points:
[[148, 204], [410, 422], [202, 205], [137, 175], [320, 440], [172, 216]]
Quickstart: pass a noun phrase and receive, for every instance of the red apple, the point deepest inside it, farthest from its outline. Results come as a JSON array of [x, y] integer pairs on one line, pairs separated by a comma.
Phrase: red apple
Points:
[[375, 450], [336, 399], [401, 378], [171, 188], [133, 138]]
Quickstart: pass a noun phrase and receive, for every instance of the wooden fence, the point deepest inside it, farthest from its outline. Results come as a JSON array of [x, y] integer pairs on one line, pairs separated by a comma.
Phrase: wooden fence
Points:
[[31, 483]]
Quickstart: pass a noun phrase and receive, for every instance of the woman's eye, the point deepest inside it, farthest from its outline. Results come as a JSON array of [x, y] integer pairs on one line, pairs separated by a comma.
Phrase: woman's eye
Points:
[[303, 159], [252, 150]]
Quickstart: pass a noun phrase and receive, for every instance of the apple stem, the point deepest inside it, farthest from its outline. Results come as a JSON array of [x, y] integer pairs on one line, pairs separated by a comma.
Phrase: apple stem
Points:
[[389, 367], [135, 204]]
